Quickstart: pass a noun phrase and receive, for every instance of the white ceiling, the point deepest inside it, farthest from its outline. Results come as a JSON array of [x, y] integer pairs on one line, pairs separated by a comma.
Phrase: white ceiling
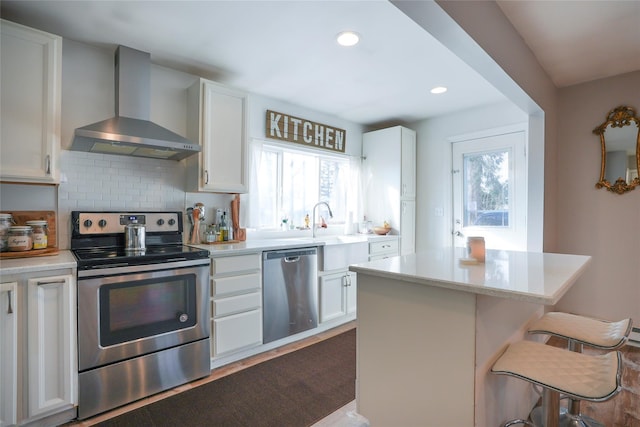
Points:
[[287, 49]]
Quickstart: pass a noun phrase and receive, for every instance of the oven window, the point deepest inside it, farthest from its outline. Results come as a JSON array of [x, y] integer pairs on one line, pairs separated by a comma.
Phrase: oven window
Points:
[[144, 308]]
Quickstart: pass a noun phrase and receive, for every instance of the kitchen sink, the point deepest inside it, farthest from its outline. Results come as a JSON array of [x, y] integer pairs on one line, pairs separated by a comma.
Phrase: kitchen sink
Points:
[[338, 252]]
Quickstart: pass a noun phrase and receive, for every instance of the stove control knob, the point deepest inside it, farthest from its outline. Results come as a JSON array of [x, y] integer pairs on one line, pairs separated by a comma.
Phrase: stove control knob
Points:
[[88, 223], [183, 317], [172, 221], [102, 223], [161, 222]]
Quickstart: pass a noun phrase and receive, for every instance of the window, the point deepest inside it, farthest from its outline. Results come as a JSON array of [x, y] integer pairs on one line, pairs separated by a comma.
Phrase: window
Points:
[[290, 182]]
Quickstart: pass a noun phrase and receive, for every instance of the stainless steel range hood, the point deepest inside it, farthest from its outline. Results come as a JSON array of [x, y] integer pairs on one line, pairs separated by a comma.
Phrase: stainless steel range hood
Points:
[[130, 132]]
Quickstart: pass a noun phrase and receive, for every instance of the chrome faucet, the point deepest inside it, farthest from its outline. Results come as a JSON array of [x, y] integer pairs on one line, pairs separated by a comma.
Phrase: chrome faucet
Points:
[[313, 224]]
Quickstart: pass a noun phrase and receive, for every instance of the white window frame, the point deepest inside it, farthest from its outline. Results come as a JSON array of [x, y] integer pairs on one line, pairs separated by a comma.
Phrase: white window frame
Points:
[[279, 149]]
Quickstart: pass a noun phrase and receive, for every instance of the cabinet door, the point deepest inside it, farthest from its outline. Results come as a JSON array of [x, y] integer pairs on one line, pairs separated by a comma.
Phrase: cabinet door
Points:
[[408, 163], [333, 302], [52, 342], [238, 331], [9, 311], [30, 107], [224, 134], [408, 224]]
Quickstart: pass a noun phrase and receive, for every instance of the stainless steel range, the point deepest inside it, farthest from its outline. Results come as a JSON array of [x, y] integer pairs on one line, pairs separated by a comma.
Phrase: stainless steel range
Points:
[[143, 312]]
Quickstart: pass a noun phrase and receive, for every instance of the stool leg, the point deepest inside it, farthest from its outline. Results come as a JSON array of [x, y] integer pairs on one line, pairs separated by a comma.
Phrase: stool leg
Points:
[[551, 405], [548, 415], [574, 418]]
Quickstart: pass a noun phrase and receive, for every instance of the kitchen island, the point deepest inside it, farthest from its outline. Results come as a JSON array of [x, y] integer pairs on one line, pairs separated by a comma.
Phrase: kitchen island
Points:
[[430, 328]]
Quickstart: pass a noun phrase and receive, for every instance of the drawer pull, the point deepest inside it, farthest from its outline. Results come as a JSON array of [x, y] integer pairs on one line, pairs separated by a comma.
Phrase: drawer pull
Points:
[[9, 309], [52, 282]]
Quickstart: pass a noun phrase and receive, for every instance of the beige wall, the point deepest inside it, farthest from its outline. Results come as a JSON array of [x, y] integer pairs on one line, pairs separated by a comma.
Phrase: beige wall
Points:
[[596, 222]]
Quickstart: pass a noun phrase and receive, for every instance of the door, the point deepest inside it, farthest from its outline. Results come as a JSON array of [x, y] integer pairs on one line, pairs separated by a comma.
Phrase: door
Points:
[[489, 190], [127, 315], [52, 346]]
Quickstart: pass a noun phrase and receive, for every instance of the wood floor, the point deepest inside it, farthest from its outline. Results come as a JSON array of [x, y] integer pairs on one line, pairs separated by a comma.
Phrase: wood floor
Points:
[[217, 373]]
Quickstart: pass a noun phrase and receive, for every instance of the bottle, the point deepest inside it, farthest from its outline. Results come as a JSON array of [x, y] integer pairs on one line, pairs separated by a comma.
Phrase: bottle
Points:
[[306, 221], [224, 228]]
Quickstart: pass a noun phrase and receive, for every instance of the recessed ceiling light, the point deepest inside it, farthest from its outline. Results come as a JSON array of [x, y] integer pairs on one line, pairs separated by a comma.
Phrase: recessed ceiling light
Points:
[[348, 38], [438, 89]]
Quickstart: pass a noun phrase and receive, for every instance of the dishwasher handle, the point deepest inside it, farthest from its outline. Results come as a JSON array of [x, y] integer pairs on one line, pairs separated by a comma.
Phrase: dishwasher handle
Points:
[[289, 255]]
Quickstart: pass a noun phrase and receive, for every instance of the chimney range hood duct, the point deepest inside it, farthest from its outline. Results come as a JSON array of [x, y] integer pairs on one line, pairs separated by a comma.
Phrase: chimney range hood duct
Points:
[[130, 132]]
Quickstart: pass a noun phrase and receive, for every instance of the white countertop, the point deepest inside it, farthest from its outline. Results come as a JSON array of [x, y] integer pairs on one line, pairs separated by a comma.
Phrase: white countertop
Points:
[[258, 245], [525, 276], [64, 259]]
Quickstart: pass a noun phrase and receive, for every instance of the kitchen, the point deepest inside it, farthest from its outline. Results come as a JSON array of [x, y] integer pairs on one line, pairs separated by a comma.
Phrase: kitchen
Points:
[[88, 72]]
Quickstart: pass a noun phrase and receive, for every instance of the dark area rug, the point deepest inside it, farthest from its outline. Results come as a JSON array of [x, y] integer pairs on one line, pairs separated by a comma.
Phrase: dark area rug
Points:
[[296, 389]]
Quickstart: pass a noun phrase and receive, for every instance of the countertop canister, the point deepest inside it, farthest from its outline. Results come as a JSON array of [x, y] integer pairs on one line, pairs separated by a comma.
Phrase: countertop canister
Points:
[[20, 238], [6, 221], [40, 233]]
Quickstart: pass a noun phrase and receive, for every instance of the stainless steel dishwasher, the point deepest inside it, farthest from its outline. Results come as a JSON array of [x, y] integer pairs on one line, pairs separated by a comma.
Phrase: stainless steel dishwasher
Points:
[[290, 292]]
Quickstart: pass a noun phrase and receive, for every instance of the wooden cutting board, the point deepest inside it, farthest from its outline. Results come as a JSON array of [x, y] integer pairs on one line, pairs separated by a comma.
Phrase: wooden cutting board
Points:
[[20, 218]]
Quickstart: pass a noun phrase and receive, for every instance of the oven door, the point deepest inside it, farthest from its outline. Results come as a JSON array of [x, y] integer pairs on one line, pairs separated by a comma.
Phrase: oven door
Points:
[[125, 312]]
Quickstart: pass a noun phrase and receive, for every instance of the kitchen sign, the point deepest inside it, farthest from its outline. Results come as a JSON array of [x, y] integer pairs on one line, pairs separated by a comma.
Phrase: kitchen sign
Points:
[[300, 131]]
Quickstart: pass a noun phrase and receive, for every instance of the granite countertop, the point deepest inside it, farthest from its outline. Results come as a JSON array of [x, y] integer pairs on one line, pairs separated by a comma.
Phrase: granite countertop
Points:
[[541, 278], [64, 259]]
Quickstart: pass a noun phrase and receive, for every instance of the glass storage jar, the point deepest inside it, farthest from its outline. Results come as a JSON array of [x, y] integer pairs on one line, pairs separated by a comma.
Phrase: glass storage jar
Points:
[[6, 220], [20, 238], [40, 233]]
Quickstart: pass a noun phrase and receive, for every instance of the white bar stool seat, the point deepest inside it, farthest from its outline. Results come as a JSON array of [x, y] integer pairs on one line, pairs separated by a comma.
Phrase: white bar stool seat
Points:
[[580, 331], [579, 376], [595, 333]]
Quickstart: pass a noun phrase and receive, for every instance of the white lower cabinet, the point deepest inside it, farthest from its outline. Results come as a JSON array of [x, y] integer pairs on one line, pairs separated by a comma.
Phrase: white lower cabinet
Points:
[[384, 248], [10, 307], [337, 295], [236, 298], [237, 331], [38, 365]]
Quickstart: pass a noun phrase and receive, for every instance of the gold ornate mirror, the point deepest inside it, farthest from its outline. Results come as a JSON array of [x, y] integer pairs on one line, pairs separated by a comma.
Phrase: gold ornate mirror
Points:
[[621, 151]]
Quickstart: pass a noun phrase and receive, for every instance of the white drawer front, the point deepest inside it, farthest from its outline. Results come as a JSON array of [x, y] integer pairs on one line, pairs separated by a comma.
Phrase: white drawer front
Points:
[[236, 284], [237, 304], [235, 332], [231, 264], [384, 247]]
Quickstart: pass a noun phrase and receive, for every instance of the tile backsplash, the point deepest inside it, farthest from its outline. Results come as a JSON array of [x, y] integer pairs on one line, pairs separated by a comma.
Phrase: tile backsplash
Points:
[[107, 182]]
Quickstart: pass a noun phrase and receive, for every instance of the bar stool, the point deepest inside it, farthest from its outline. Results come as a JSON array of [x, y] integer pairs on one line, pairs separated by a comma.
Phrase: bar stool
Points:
[[579, 331], [558, 371]]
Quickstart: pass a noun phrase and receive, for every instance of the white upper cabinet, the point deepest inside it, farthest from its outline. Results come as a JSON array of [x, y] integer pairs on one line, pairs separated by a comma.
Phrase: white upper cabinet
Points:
[[31, 63], [389, 173], [217, 120], [407, 163]]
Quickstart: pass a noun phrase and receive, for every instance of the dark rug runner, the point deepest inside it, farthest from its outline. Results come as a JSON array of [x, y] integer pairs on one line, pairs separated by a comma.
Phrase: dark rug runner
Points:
[[296, 390]]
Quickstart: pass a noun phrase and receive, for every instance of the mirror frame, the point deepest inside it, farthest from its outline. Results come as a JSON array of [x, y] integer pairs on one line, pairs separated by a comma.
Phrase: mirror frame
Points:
[[618, 117]]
